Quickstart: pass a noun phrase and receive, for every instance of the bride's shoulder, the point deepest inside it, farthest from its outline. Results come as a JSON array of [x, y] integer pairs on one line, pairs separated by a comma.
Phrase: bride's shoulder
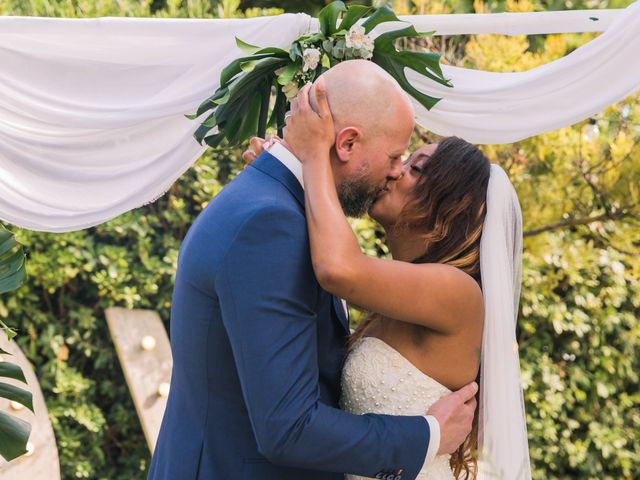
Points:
[[450, 276], [457, 293]]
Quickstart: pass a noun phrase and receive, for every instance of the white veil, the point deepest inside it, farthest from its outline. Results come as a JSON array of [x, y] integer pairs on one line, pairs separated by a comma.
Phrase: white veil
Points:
[[502, 435]]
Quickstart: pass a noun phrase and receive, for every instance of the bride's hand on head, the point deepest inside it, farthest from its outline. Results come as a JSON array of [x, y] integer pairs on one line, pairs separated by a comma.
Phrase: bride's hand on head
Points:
[[310, 133]]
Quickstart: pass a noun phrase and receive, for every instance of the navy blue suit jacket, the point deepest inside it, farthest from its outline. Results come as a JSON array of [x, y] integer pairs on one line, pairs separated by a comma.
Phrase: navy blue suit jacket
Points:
[[258, 348]]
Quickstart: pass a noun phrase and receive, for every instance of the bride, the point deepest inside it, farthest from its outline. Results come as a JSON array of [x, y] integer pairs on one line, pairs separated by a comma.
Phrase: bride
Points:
[[443, 310]]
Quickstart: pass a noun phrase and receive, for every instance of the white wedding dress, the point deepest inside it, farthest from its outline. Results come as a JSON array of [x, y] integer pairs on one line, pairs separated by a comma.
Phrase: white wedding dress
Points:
[[377, 379]]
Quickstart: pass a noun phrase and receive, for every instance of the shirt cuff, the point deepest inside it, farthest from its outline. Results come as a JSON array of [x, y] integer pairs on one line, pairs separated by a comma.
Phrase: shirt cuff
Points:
[[434, 440]]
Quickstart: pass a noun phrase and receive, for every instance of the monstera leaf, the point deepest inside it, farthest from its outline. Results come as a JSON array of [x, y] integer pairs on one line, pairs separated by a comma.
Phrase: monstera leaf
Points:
[[12, 262], [14, 432], [394, 61], [256, 88]]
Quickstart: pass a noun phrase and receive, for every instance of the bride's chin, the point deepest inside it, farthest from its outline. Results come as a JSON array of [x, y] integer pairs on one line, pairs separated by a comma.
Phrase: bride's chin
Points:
[[376, 212]]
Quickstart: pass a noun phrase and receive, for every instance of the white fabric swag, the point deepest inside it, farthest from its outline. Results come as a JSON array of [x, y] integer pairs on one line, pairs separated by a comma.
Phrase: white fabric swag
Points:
[[91, 110]]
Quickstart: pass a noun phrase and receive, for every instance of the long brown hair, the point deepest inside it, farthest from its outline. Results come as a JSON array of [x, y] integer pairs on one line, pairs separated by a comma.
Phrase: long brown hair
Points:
[[448, 208]]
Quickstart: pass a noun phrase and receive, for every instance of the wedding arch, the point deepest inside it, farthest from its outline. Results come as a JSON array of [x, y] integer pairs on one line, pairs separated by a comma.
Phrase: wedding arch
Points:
[[92, 110]]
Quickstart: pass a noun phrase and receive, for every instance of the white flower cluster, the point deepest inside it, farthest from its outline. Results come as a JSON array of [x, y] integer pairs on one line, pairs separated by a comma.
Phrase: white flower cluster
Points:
[[354, 44], [311, 57], [359, 41]]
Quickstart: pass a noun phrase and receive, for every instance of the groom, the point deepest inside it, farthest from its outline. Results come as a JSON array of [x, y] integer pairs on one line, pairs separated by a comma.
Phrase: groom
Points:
[[258, 346]]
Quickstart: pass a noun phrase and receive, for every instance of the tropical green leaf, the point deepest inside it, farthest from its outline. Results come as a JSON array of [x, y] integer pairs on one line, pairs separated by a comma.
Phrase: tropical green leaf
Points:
[[234, 68], [13, 281], [225, 98], [287, 75], [211, 121], [7, 241], [249, 123], [246, 47], [381, 15], [12, 262], [202, 131], [279, 109], [11, 370], [12, 271], [263, 116], [233, 125], [328, 17], [14, 435], [253, 50], [209, 103], [295, 52], [214, 141], [388, 57], [310, 38], [352, 15], [17, 394], [273, 52], [425, 63], [248, 66], [234, 117]]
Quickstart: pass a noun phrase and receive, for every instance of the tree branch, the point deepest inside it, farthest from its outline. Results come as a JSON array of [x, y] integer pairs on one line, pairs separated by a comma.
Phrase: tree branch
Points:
[[573, 222]]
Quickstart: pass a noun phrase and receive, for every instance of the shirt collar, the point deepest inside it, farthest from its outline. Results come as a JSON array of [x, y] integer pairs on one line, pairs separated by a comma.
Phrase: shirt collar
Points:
[[288, 159]]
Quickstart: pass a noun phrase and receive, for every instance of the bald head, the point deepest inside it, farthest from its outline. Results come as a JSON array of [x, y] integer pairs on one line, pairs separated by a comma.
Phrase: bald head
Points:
[[361, 94]]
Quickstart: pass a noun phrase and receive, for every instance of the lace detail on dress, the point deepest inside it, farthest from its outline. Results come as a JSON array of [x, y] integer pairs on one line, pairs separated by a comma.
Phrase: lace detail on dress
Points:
[[377, 379]]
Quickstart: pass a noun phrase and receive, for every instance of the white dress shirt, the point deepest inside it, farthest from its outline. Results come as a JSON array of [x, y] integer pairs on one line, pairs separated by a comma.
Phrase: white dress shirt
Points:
[[294, 165]]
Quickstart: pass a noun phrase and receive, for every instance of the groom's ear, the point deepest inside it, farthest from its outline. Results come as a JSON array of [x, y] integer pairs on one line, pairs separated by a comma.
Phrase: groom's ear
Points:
[[348, 142]]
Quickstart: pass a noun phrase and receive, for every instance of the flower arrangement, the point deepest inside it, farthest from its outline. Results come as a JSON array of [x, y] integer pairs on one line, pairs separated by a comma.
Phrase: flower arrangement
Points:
[[255, 90]]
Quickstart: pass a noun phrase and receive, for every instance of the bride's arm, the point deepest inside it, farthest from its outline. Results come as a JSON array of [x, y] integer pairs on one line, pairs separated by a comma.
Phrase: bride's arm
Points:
[[436, 296]]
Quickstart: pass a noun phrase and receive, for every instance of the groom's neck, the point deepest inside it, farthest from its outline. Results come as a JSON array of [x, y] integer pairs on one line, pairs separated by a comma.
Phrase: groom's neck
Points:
[[335, 175]]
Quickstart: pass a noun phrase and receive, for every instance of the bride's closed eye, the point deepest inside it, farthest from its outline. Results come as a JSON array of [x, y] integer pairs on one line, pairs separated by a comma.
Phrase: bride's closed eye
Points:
[[410, 161]]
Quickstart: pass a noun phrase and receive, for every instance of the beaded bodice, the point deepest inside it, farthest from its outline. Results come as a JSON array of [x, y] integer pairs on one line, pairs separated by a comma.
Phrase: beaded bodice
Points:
[[377, 379]]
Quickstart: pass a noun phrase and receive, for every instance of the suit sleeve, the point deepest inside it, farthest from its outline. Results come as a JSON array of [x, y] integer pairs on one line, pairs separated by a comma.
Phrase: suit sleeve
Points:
[[268, 294]]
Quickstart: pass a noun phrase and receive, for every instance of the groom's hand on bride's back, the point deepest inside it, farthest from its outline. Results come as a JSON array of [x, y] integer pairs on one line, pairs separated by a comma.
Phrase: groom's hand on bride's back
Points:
[[455, 417]]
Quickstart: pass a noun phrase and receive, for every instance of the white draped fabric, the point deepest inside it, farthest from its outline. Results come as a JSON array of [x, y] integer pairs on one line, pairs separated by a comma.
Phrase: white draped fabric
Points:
[[91, 110], [491, 107]]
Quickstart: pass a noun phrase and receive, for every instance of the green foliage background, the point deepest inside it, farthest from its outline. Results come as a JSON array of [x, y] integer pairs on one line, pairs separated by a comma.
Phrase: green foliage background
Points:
[[579, 327]]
